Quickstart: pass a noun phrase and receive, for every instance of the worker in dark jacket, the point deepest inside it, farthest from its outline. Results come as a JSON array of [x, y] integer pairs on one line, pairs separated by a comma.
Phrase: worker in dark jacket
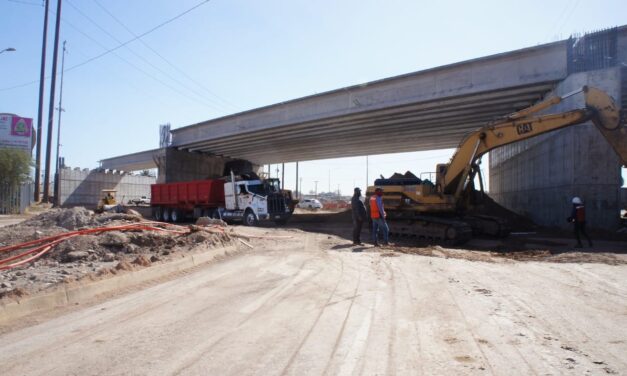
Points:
[[578, 218], [359, 216]]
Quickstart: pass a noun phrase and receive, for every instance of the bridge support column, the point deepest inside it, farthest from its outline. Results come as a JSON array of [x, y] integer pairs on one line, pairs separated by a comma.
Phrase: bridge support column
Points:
[[539, 177]]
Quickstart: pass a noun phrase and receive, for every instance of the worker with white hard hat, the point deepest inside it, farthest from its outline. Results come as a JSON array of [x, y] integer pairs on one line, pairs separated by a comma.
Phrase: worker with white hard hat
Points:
[[578, 218]]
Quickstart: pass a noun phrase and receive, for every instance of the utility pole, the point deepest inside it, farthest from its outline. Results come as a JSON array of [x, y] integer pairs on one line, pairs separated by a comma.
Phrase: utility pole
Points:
[[301, 187], [367, 171], [316, 191], [282, 175], [56, 174], [40, 111], [277, 171], [329, 180], [51, 108], [301, 183]]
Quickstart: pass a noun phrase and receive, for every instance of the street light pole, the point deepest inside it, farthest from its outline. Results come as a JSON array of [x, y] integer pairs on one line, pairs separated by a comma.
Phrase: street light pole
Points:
[[10, 49], [56, 174]]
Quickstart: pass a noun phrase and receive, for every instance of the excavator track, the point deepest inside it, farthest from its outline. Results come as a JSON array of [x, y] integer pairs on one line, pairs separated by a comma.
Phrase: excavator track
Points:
[[440, 230], [488, 225]]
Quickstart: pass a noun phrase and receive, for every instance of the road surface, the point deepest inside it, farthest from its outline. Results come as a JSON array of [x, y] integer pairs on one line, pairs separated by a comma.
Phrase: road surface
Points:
[[310, 306], [7, 220]]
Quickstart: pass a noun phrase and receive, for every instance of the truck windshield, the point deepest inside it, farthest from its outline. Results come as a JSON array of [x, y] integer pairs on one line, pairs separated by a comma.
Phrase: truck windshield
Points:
[[274, 185], [256, 189]]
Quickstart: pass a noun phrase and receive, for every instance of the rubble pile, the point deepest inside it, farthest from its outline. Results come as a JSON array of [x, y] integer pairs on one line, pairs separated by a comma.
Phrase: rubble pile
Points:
[[95, 255]]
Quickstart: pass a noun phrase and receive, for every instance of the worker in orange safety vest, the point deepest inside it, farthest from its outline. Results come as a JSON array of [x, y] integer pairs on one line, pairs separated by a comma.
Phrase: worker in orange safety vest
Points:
[[377, 214]]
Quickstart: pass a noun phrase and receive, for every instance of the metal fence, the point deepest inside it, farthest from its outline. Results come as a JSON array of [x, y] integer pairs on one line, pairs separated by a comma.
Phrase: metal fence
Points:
[[14, 199], [592, 51]]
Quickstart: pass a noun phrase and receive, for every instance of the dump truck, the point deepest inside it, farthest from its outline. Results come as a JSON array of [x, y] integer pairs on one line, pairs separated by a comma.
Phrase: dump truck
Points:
[[245, 198], [442, 210]]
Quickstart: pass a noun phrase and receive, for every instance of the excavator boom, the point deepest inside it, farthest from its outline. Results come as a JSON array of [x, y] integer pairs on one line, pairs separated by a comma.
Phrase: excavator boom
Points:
[[525, 124]]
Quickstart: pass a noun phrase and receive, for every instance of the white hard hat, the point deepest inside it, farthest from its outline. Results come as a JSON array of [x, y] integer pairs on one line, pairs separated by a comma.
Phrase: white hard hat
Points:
[[576, 200]]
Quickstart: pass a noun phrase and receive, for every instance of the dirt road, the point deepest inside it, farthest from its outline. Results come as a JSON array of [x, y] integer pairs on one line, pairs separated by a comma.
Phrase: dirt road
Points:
[[310, 305]]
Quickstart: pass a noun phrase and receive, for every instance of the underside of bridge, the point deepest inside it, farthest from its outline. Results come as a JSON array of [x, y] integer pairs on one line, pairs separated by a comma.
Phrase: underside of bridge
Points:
[[429, 125]]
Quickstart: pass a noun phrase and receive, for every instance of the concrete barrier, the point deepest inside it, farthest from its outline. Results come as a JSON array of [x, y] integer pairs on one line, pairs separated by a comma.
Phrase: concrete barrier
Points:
[[65, 295]]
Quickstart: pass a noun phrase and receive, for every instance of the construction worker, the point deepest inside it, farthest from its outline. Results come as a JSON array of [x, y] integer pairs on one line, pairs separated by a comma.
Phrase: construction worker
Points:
[[578, 218], [377, 214], [359, 216]]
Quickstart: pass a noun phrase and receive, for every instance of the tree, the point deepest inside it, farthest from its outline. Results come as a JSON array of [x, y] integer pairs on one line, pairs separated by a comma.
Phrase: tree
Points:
[[14, 166]]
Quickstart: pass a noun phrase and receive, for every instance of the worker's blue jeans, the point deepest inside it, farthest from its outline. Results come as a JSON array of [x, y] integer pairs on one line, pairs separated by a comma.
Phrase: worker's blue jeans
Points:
[[376, 224]]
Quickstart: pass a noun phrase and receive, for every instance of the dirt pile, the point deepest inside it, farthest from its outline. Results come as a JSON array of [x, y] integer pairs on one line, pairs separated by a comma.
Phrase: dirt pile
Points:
[[97, 254], [487, 206]]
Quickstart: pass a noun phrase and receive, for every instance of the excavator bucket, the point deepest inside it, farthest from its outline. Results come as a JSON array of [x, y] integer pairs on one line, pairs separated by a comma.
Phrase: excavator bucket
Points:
[[609, 120]]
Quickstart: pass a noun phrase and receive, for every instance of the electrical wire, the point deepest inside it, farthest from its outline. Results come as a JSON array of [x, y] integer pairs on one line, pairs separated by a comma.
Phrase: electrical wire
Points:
[[26, 3], [187, 87], [93, 58], [167, 61]]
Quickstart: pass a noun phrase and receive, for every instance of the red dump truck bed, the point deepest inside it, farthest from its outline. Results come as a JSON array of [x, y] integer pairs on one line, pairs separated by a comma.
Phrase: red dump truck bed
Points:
[[189, 194]]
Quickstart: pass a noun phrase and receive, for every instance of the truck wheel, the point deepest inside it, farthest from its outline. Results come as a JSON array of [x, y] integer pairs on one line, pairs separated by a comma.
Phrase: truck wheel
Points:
[[166, 215], [250, 219], [157, 213], [176, 215]]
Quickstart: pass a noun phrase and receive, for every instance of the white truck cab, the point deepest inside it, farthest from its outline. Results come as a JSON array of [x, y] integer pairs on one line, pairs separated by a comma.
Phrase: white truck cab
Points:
[[253, 200]]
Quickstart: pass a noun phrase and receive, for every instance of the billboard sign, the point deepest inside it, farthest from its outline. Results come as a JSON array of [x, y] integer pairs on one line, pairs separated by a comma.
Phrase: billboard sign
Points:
[[16, 132]]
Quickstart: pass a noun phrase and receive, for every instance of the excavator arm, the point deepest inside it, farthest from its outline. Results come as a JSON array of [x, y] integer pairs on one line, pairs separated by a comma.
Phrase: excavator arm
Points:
[[525, 124]]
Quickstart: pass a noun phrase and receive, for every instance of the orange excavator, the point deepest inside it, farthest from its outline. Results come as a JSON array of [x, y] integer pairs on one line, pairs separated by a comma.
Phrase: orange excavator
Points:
[[443, 210]]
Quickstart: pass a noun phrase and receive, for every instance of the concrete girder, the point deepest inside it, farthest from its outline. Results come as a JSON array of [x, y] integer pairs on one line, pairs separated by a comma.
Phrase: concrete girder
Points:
[[470, 121], [526, 95], [442, 116], [519, 68]]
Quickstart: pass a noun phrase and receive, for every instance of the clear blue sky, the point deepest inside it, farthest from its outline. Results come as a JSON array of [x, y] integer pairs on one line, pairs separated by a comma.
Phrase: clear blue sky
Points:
[[229, 56]]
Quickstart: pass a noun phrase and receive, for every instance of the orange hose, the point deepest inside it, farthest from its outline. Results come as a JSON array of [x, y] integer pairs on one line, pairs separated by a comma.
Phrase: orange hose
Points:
[[51, 241]]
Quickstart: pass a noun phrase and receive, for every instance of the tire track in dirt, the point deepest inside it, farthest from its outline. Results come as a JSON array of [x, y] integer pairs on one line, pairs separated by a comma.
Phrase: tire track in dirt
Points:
[[343, 327], [418, 314], [286, 286], [98, 328], [519, 304], [391, 364], [292, 358], [472, 333]]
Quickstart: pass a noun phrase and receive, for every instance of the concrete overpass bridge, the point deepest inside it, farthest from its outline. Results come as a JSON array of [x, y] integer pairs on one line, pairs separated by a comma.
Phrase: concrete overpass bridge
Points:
[[425, 110], [434, 109]]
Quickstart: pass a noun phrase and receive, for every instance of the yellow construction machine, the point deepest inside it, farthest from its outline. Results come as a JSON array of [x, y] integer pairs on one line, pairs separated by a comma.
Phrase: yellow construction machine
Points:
[[107, 202], [443, 210]]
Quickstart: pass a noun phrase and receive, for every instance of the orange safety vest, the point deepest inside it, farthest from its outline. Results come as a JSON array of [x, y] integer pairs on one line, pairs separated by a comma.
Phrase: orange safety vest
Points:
[[374, 208]]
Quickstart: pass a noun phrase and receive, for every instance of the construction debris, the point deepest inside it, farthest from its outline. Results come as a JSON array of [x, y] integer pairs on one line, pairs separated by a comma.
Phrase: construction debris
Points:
[[67, 245]]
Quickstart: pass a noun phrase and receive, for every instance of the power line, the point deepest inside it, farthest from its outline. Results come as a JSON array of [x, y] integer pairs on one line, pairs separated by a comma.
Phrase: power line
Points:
[[130, 63], [224, 101], [201, 100], [118, 46], [26, 3], [568, 16]]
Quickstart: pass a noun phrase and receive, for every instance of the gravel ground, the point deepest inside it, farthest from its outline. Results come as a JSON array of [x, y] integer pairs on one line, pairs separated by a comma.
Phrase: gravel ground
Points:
[[312, 304]]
